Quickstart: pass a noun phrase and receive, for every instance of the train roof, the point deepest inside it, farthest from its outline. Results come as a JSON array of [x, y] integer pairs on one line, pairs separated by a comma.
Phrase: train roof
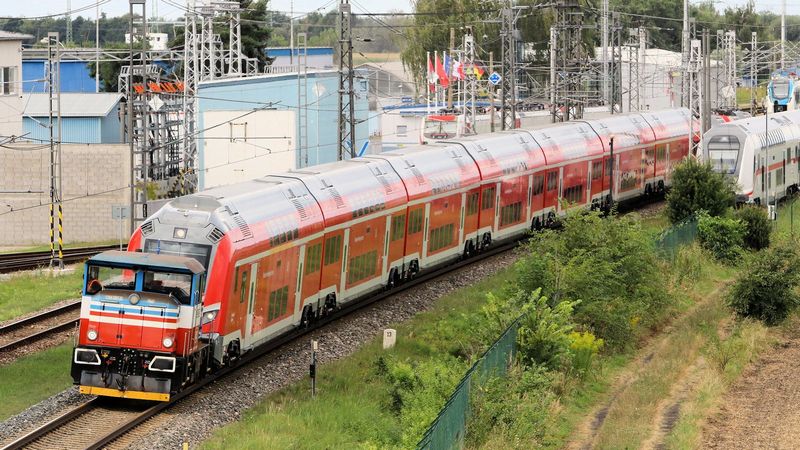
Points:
[[571, 140], [239, 207], [118, 258], [503, 153], [668, 124], [433, 168], [352, 188], [629, 130]]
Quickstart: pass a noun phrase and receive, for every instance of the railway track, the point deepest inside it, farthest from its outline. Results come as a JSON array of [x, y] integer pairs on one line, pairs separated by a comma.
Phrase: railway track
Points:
[[98, 422], [24, 331], [12, 262]]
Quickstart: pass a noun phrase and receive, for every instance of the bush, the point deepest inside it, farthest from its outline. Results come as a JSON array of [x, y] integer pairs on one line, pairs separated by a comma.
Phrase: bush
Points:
[[584, 347], [722, 236], [610, 265], [766, 288], [543, 335], [696, 187], [758, 226]]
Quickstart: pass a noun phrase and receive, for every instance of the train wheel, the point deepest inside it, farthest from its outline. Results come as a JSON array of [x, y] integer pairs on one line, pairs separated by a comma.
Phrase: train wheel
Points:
[[307, 317], [330, 304]]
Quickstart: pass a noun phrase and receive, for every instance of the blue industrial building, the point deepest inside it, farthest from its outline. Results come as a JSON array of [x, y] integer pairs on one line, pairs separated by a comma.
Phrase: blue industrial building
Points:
[[75, 76], [279, 92], [86, 118]]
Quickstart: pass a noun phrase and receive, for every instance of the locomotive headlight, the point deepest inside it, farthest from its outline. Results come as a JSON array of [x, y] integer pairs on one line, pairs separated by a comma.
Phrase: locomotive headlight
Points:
[[209, 316], [91, 334], [167, 342]]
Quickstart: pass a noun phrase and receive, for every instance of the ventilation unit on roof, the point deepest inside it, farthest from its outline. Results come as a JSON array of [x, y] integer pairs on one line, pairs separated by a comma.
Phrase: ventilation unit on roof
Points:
[[243, 227], [337, 198], [215, 235], [147, 228]]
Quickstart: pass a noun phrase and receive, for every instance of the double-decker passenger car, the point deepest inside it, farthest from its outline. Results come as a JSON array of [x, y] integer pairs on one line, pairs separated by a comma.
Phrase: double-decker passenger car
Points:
[[761, 154], [288, 248]]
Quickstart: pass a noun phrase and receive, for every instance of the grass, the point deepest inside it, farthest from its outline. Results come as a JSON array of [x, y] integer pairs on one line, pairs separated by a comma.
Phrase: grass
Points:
[[743, 96], [50, 369], [30, 292], [352, 404]]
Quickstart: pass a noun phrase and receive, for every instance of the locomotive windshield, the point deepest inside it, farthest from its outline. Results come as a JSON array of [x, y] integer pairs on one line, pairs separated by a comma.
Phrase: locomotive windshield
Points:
[[780, 88], [723, 153], [178, 285], [201, 253]]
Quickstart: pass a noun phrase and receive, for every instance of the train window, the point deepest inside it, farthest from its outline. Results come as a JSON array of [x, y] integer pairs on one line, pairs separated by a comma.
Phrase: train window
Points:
[[201, 253], [511, 213], [243, 285], [608, 167], [333, 249], [723, 152], [278, 303], [177, 285], [487, 202], [597, 170], [100, 278], [538, 184], [441, 237], [362, 266], [661, 153], [472, 203], [779, 177], [552, 181], [415, 219], [398, 227], [313, 258]]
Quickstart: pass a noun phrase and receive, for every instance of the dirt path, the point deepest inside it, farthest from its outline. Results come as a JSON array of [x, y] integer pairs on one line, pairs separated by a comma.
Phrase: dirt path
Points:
[[762, 409]]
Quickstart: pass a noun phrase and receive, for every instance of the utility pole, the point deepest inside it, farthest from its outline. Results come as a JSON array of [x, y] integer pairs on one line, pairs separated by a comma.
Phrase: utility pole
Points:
[[570, 59], [470, 82], [753, 71], [302, 97], [706, 52], [636, 64], [685, 53], [604, 58], [56, 208], [137, 142], [508, 111], [97, 49], [450, 85], [68, 17], [783, 34], [695, 97], [491, 93], [347, 122], [615, 65]]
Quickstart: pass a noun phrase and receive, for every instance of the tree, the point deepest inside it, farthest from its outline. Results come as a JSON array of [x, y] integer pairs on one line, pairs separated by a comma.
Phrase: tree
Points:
[[696, 187], [767, 287]]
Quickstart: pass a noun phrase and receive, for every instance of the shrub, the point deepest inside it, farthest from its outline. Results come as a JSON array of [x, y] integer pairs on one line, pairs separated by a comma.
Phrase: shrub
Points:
[[610, 265], [543, 335], [696, 187], [758, 226], [584, 347], [722, 236], [766, 288]]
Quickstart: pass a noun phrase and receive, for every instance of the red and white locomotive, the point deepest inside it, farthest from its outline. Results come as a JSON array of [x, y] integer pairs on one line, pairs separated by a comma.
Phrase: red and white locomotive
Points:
[[285, 249]]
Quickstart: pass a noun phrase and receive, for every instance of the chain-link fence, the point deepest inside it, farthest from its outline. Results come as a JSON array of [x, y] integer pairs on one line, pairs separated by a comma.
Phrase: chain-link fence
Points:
[[672, 239], [448, 430]]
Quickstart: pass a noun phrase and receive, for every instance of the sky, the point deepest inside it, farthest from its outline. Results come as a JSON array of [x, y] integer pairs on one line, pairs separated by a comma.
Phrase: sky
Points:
[[13, 8]]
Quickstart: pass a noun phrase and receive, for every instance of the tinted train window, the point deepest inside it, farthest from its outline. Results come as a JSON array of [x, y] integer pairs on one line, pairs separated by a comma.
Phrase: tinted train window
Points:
[[552, 181], [333, 249], [278, 303], [415, 221], [201, 253], [472, 203], [313, 258], [511, 213], [242, 286], [487, 202], [398, 227], [538, 184], [440, 237], [362, 266]]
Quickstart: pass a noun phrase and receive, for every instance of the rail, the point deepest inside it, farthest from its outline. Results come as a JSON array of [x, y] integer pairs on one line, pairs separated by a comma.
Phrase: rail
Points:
[[12, 262], [9, 342]]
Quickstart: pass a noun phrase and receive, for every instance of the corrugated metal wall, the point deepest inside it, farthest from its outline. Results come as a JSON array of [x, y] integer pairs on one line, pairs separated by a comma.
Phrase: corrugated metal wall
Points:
[[81, 130]]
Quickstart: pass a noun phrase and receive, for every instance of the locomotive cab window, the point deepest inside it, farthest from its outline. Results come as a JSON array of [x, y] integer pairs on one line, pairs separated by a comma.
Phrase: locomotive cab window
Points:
[[176, 285], [99, 278]]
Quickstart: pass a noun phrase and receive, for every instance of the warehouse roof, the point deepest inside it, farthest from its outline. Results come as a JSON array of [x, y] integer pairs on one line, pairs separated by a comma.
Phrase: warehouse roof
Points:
[[72, 104], [11, 36]]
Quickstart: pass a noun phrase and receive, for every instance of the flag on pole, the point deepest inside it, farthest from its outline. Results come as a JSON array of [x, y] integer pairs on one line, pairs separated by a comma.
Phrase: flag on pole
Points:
[[448, 66], [441, 73], [458, 70], [478, 70], [431, 75]]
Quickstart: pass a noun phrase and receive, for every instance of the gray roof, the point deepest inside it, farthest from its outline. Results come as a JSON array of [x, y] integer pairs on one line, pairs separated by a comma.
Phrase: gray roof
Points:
[[72, 104], [11, 36]]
